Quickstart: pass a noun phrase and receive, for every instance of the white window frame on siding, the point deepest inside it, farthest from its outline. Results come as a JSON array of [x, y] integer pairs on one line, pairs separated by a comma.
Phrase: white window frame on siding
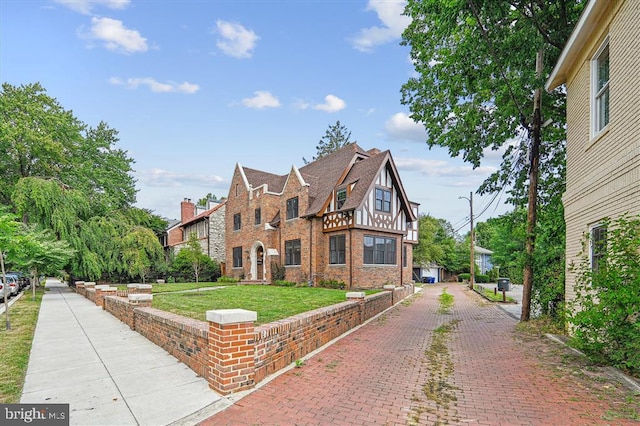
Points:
[[597, 232], [600, 99]]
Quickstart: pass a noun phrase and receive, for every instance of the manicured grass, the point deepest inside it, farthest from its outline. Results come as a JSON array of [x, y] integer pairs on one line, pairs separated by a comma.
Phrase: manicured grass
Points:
[[169, 287], [15, 345], [270, 302]]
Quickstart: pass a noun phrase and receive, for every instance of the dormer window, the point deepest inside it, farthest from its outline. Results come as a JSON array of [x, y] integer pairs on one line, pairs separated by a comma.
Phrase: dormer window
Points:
[[341, 197]]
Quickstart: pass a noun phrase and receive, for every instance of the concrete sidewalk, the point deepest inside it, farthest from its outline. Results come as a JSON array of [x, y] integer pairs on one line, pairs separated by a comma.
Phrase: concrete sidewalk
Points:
[[109, 374]]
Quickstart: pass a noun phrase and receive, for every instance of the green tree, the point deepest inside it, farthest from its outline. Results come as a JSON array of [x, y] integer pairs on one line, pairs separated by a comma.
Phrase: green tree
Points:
[[336, 137], [42, 139], [8, 242], [141, 252], [70, 178], [436, 243], [479, 86], [41, 253]]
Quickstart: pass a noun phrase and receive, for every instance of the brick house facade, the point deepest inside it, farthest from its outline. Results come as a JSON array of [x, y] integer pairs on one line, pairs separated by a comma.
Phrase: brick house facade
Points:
[[344, 217], [207, 222]]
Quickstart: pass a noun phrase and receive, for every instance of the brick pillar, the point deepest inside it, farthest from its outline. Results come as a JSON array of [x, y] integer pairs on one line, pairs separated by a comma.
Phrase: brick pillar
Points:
[[359, 297], [144, 288], [137, 301], [391, 288], [231, 350]]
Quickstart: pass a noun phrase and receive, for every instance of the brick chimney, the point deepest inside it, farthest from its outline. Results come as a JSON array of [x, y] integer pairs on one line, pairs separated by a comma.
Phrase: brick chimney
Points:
[[187, 210], [373, 151]]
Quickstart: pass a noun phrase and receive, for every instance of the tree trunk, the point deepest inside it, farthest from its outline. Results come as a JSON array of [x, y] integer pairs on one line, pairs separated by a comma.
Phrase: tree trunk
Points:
[[533, 195]]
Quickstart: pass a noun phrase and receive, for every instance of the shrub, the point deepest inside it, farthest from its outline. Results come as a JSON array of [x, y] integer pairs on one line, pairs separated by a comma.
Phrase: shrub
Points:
[[605, 315], [335, 284], [283, 283], [464, 277], [277, 272], [226, 279], [481, 278], [493, 275]]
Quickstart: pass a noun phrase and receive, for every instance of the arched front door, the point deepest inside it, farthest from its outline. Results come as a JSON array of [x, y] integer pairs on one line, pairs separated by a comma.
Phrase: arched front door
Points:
[[260, 263]]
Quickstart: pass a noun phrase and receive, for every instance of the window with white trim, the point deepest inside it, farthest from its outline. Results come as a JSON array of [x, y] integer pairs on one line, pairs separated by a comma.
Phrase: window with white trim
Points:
[[600, 89], [598, 249]]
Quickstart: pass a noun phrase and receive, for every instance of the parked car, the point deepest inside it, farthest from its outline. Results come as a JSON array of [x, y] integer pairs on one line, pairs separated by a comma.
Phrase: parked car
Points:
[[5, 292], [13, 285], [23, 280]]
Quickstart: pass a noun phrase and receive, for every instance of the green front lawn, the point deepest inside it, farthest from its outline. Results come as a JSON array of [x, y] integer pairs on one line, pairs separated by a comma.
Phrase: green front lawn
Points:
[[169, 287], [270, 302], [15, 345]]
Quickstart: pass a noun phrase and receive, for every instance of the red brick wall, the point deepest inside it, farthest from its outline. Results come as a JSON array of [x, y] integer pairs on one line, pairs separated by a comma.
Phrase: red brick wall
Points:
[[238, 201], [184, 338], [280, 343], [120, 308]]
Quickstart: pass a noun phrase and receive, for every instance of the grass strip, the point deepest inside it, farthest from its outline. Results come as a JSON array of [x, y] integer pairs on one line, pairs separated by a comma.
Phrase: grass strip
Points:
[[16, 345]]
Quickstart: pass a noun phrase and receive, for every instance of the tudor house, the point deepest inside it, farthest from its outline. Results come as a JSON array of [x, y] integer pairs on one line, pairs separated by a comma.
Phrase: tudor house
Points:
[[600, 66], [343, 217]]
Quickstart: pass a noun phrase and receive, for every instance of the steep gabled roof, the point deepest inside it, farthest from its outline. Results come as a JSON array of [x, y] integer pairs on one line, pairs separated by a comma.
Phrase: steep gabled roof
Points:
[[347, 165], [327, 172], [275, 183]]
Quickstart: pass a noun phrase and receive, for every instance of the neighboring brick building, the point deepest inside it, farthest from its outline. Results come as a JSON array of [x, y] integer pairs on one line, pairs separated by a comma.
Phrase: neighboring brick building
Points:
[[207, 222], [344, 217], [600, 66]]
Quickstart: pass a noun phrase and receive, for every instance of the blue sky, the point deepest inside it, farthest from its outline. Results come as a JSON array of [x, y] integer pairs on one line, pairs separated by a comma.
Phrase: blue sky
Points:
[[194, 87]]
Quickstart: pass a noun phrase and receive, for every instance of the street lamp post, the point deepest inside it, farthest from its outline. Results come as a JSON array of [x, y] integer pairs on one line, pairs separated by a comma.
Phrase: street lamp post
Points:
[[473, 260]]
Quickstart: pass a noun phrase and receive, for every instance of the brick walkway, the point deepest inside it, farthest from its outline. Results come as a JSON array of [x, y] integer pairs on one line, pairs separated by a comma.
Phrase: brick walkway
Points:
[[416, 365]]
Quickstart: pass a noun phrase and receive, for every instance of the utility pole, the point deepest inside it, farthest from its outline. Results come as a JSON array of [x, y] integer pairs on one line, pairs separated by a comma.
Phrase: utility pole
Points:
[[472, 264], [534, 164]]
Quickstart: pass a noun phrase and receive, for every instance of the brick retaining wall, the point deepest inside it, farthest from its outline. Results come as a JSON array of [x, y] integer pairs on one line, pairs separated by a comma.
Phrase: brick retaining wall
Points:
[[185, 338], [273, 346]]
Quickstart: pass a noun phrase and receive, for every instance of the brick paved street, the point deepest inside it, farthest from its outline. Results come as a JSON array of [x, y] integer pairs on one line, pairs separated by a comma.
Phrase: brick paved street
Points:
[[418, 365]]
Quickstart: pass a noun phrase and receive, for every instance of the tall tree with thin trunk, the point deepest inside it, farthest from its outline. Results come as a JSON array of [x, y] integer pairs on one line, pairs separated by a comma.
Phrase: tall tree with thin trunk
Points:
[[475, 87], [336, 137]]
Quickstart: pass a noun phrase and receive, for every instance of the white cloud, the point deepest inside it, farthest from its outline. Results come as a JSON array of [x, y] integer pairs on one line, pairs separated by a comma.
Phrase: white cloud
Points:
[[441, 168], [331, 104], [156, 86], [300, 104], [401, 126], [116, 36], [85, 6], [236, 41], [166, 178], [393, 24], [261, 100]]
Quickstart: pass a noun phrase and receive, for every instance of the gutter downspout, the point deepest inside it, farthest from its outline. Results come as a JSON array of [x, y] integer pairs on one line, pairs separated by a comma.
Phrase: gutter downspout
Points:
[[311, 282]]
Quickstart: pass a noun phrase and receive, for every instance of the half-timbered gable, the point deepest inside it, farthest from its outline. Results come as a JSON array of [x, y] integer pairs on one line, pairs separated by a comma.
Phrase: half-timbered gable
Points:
[[344, 217]]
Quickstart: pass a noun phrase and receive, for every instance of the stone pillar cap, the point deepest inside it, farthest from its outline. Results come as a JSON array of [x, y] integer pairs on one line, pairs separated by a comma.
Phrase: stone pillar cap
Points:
[[139, 297], [144, 286], [231, 316], [102, 286], [355, 295], [389, 287]]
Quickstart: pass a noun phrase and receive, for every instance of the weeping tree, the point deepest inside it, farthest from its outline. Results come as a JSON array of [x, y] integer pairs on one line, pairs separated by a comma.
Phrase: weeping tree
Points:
[[480, 70], [141, 252], [70, 178]]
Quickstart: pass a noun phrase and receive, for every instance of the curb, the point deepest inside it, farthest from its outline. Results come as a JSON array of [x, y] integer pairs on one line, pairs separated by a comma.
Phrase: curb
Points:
[[630, 382]]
